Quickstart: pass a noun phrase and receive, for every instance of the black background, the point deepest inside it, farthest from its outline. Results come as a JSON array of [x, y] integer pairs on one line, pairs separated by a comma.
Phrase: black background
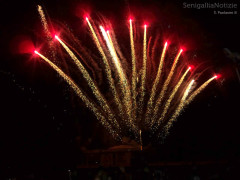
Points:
[[41, 128]]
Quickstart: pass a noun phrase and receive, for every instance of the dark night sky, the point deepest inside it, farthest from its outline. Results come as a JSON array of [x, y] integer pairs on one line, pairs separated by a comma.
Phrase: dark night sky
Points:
[[38, 122]]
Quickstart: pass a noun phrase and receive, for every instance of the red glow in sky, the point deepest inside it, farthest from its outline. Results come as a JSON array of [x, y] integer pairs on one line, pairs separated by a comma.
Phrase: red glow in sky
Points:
[[56, 37], [190, 67], [130, 19], [22, 45], [166, 43], [217, 76], [82, 10]]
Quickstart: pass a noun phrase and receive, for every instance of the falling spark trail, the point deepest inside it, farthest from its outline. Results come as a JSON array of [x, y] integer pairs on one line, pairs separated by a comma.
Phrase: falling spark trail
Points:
[[167, 105], [46, 31], [165, 86], [113, 54], [124, 83], [155, 84], [134, 71], [113, 47], [107, 69], [140, 137], [180, 107], [80, 94], [197, 91], [144, 70], [91, 84], [44, 22]]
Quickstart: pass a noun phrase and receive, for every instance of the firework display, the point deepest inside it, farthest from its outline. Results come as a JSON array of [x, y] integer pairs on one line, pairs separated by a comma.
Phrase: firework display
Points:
[[138, 99]]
